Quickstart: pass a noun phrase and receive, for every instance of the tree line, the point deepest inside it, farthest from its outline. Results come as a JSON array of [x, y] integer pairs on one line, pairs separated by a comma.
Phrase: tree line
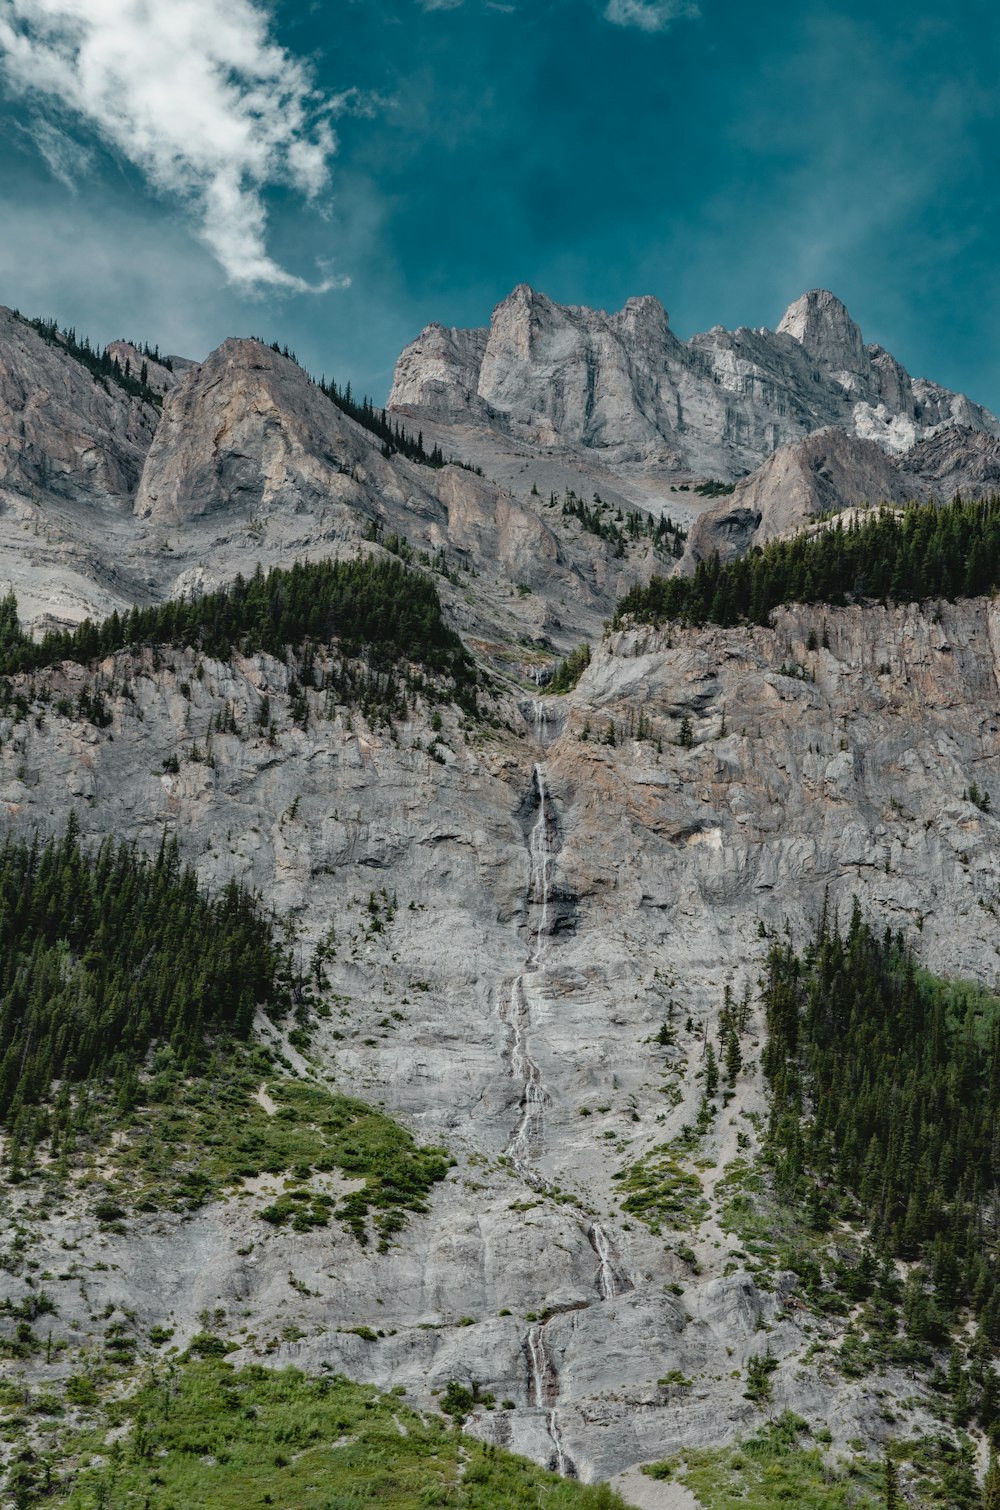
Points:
[[371, 606], [103, 367], [922, 552]]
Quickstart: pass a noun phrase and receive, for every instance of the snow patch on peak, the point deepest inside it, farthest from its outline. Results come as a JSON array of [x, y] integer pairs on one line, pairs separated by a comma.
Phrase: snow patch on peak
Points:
[[895, 433]]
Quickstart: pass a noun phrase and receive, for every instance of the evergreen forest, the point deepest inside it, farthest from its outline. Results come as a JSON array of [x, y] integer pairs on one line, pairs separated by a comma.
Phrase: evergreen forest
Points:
[[104, 954], [885, 1087], [895, 556], [374, 608]]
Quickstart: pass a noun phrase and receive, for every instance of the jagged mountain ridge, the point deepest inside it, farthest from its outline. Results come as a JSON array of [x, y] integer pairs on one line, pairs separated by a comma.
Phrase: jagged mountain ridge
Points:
[[623, 389], [106, 501]]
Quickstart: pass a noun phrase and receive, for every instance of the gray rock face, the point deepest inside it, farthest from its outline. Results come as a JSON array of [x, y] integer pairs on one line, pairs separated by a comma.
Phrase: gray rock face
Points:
[[105, 502], [825, 331], [563, 888], [625, 389], [436, 364], [828, 470], [158, 376], [558, 880], [62, 433]]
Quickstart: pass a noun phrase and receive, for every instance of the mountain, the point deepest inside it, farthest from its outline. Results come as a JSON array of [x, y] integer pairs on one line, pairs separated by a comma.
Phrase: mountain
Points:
[[497, 1126], [243, 458], [830, 471], [624, 392]]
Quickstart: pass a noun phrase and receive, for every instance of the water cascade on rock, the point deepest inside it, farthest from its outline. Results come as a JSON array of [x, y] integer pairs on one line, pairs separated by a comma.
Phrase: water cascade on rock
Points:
[[525, 1144]]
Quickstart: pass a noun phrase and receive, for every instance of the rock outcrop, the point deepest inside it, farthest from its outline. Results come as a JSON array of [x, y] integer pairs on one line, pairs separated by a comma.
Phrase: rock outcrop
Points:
[[828, 471], [158, 375], [625, 389], [575, 880], [61, 433], [106, 501]]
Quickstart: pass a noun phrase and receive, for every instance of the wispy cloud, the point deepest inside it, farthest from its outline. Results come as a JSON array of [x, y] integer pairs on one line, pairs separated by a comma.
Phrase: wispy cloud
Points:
[[500, 5], [649, 15], [67, 160], [195, 94]]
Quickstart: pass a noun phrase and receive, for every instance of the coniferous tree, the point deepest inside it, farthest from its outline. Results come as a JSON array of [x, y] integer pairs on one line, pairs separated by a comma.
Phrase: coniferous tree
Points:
[[991, 1484], [890, 1485]]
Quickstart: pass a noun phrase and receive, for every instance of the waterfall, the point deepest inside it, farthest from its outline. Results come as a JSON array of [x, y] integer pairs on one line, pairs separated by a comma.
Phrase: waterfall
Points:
[[540, 854], [611, 1277], [539, 1362], [564, 1464], [543, 1389], [525, 1144]]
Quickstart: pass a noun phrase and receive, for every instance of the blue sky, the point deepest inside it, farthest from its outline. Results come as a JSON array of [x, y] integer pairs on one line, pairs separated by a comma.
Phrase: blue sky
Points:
[[337, 174]]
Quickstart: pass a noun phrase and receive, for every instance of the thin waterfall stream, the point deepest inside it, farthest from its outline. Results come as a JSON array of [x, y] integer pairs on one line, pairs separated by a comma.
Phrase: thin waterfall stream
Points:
[[524, 1147]]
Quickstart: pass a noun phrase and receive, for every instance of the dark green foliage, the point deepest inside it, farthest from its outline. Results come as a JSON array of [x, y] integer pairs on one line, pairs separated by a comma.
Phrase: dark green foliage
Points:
[[890, 1484], [12, 636], [711, 1072], [102, 955], [392, 435], [886, 1083], [194, 1130], [760, 1367], [375, 609], [363, 1144], [104, 368], [458, 1400], [781, 1465], [608, 523], [566, 674], [979, 799], [901, 557], [734, 1057]]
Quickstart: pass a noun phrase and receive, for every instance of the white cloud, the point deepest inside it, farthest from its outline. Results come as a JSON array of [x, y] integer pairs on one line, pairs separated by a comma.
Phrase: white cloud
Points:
[[649, 15], [195, 94]]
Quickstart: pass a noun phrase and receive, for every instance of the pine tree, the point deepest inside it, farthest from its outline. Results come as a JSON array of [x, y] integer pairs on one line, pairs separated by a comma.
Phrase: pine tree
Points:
[[890, 1485], [711, 1072], [734, 1058], [991, 1484]]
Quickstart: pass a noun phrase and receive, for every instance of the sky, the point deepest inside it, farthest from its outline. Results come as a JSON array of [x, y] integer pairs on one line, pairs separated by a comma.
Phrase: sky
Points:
[[337, 174]]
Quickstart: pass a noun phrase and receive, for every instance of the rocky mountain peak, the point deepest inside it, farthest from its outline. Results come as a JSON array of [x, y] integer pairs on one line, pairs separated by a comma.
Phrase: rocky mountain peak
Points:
[[623, 390], [819, 321], [643, 318]]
